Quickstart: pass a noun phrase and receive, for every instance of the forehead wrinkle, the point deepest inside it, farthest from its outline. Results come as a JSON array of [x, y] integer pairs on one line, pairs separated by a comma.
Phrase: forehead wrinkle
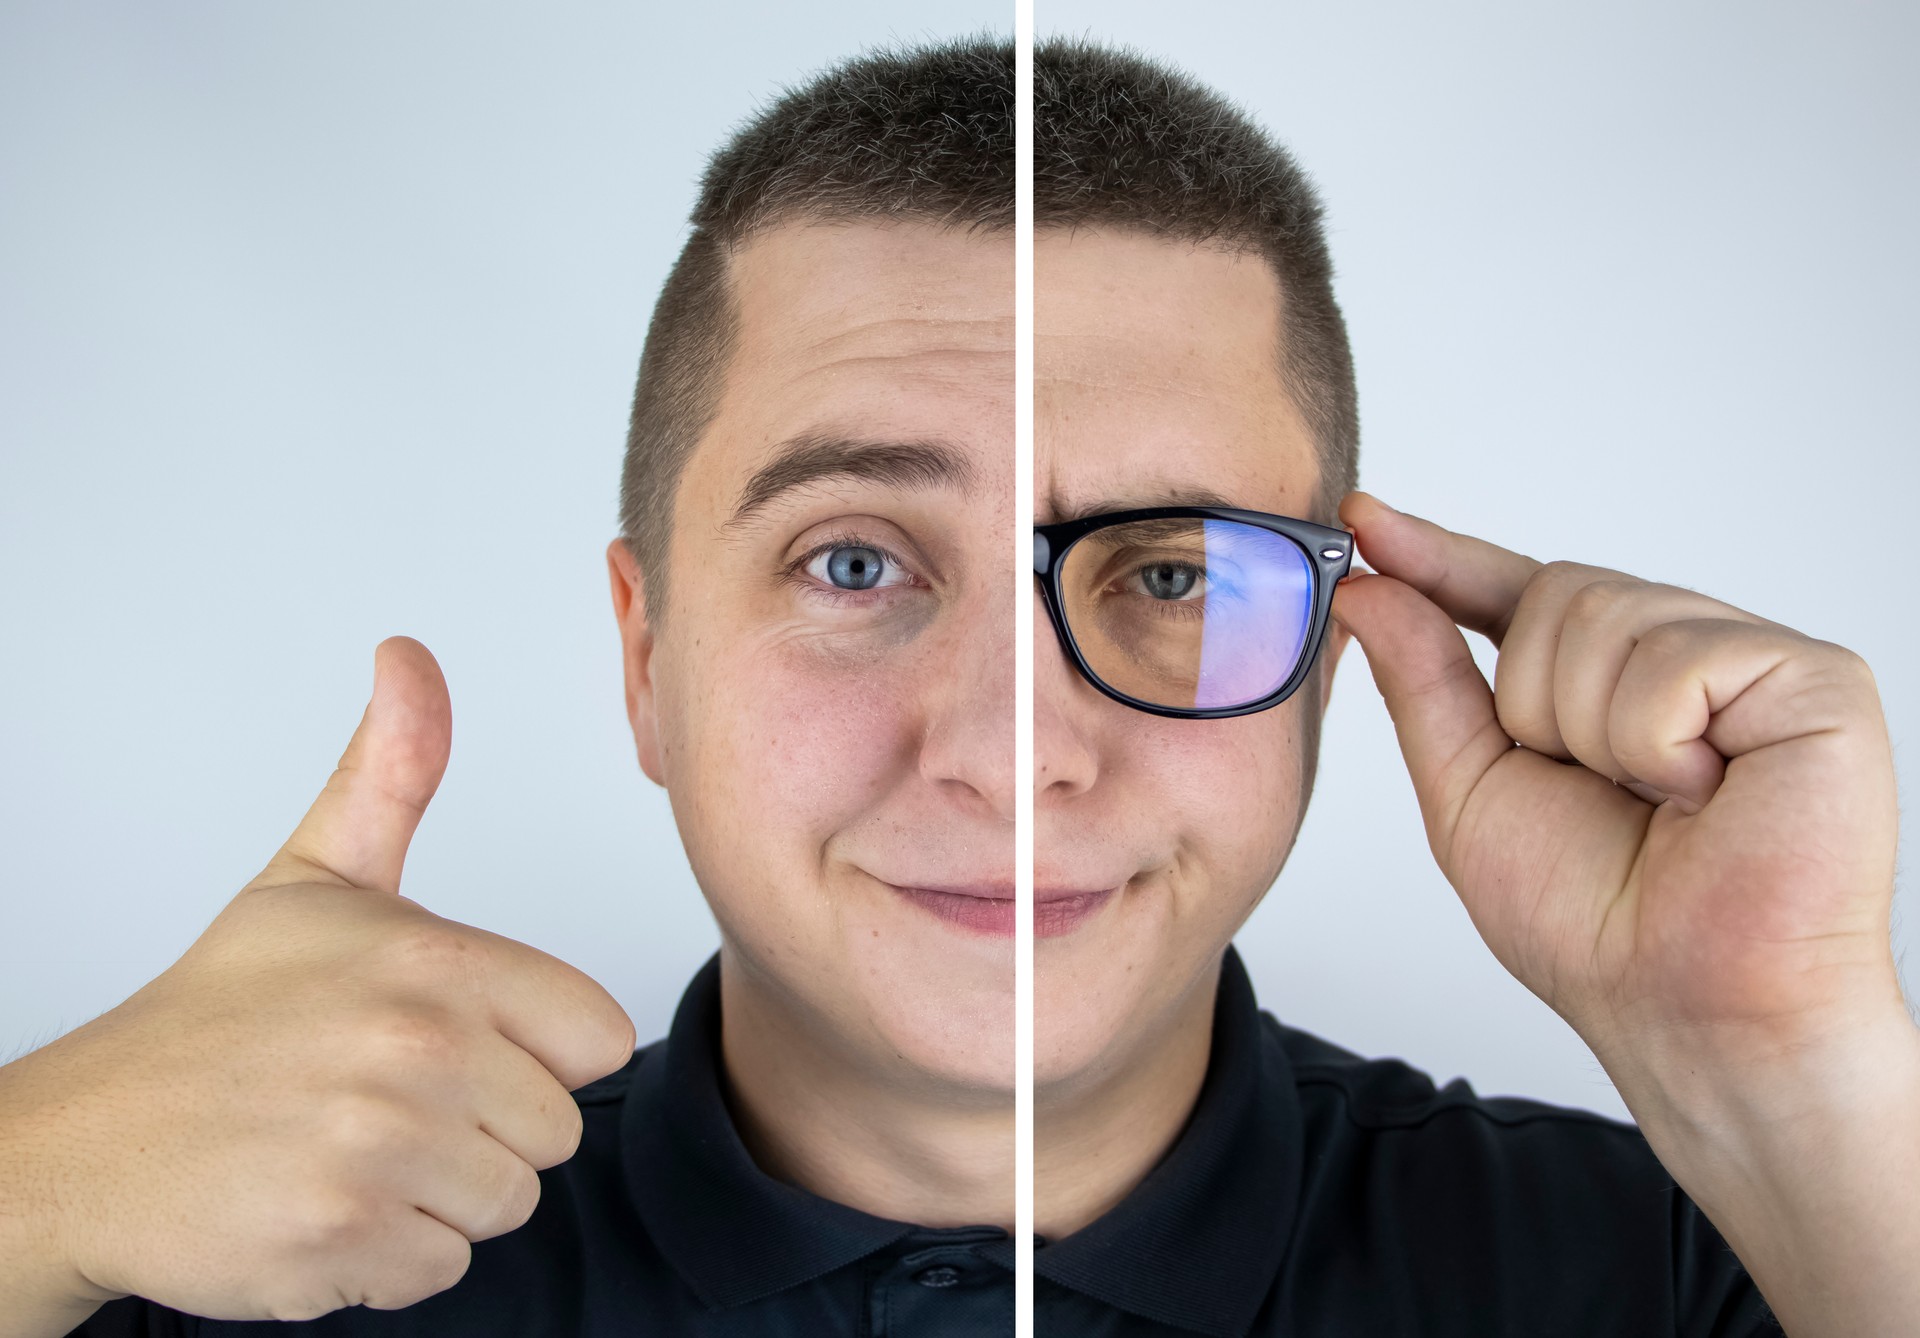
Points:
[[1118, 381], [873, 344], [943, 372], [1100, 360], [1165, 469]]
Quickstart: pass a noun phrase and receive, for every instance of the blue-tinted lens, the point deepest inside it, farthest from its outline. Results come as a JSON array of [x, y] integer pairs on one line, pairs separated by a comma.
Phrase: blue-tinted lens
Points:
[[1195, 614]]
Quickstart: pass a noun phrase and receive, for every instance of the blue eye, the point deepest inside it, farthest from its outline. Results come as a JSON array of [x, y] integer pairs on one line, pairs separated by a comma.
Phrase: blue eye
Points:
[[1170, 580], [855, 567]]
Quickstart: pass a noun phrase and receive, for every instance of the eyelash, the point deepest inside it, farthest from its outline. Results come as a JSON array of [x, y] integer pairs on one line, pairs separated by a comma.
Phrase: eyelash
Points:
[[795, 571]]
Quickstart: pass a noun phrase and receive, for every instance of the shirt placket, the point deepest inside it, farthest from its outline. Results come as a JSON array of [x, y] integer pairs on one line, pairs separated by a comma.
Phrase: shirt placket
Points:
[[934, 1288]]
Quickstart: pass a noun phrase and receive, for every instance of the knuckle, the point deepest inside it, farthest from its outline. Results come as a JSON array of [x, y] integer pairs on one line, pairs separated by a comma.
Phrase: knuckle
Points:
[[1596, 600], [597, 1049], [411, 1039], [621, 1039], [1636, 750], [359, 1124], [554, 1126], [450, 1268], [518, 1198], [329, 1220], [1556, 575], [1668, 641], [1850, 664], [435, 951], [1564, 571], [1528, 721], [1844, 678], [573, 1127], [566, 1127], [425, 1272]]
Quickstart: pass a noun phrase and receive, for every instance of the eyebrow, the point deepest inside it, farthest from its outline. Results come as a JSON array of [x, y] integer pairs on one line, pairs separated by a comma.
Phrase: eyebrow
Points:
[[814, 458], [1140, 501]]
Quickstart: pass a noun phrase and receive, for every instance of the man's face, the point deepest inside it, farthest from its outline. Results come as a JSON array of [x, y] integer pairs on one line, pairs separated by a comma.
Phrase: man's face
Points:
[[829, 699], [1156, 383]]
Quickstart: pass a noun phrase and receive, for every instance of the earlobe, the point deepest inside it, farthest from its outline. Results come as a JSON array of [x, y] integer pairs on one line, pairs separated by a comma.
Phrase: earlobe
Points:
[[636, 656]]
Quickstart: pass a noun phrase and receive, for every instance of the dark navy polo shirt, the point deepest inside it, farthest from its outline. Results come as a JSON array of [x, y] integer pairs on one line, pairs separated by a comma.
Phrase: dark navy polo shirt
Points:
[[1317, 1194], [1313, 1194]]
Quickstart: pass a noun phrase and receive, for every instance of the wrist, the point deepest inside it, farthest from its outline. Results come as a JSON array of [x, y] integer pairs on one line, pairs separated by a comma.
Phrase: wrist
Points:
[[43, 1284], [1802, 1155], [1736, 1109]]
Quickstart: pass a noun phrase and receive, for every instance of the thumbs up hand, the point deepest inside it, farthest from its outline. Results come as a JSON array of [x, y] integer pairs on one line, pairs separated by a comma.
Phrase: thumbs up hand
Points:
[[332, 1092]]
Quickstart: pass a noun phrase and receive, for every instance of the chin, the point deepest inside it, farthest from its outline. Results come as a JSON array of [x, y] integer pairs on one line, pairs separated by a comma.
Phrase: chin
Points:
[[939, 999], [1104, 999], [956, 1043], [921, 1005], [1079, 1040]]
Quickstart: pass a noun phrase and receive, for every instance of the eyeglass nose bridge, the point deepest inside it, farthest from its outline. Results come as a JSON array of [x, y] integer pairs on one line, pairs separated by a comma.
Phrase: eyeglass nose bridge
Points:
[[1042, 554]]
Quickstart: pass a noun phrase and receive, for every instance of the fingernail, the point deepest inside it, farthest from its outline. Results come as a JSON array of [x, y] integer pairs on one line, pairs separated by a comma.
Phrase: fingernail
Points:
[[1382, 505], [1645, 791]]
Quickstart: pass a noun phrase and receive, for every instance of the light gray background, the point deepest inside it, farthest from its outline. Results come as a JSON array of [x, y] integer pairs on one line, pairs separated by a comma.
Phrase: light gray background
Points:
[[319, 326], [1632, 284], [318, 323]]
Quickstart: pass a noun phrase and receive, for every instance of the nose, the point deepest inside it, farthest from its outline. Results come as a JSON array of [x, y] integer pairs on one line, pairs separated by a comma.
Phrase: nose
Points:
[[1064, 761], [967, 749]]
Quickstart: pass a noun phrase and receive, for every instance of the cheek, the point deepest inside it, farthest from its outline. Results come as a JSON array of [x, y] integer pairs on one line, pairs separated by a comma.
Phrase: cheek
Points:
[[788, 741], [1233, 788]]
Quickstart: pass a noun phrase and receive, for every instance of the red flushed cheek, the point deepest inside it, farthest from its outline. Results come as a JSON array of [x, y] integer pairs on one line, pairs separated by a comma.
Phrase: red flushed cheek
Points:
[[783, 747]]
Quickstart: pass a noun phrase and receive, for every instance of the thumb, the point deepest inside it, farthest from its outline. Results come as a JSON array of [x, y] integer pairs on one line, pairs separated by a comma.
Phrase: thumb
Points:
[[357, 831], [1442, 708]]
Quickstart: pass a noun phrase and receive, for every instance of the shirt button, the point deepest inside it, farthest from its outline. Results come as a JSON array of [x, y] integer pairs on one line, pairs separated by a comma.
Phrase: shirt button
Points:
[[941, 1276]]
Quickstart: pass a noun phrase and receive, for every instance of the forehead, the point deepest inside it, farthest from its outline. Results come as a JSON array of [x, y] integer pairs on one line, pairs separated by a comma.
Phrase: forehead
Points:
[[1156, 374], [875, 331], [895, 328]]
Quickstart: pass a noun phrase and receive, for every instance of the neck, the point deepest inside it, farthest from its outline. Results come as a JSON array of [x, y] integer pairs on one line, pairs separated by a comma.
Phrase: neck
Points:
[[818, 1115], [1098, 1134]]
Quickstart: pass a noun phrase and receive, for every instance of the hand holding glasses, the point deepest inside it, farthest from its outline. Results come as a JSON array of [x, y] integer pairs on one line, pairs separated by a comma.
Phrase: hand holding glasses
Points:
[[1194, 612]]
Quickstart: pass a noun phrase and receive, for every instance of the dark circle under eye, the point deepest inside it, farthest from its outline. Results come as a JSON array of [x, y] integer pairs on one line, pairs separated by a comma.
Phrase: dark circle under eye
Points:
[[1168, 580], [855, 568]]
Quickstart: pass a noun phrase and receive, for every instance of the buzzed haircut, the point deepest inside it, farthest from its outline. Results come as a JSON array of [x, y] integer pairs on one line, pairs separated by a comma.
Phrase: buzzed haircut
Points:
[[1121, 141], [925, 134]]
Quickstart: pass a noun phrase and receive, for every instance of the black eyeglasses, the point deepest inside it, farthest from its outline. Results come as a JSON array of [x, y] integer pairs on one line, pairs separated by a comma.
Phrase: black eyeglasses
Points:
[[1196, 612]]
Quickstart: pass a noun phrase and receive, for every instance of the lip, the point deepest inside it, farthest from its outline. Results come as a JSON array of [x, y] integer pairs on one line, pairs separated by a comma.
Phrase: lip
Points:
[[983, 908], [978, 891], [1061, 910], [988, 908]]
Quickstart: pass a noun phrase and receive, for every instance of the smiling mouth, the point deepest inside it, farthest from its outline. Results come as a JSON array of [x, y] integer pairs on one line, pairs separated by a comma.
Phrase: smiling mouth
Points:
[[990, 910]]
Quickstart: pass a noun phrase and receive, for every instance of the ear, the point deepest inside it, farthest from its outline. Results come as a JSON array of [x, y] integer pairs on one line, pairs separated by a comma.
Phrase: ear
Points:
[[636, 655], [1337, 638]]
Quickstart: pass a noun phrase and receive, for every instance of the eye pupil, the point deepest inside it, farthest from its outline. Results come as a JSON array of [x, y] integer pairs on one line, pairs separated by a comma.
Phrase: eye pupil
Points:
[[1168, 580], [854, 568]]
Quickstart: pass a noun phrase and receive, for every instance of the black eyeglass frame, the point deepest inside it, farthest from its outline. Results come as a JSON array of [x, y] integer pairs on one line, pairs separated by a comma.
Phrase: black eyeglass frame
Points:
[[1329, 554]]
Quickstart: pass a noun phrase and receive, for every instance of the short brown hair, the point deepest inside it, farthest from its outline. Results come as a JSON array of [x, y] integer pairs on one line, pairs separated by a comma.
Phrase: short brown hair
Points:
[[926, 133], [922, 133], [1121, 141]]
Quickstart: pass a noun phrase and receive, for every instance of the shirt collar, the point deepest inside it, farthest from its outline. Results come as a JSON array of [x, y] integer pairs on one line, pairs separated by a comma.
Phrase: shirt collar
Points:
[[1197, 1244], [732, 1232]]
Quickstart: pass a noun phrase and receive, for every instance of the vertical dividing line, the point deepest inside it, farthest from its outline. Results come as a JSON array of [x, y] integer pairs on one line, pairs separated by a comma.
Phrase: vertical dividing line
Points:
[[1023, 668]]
